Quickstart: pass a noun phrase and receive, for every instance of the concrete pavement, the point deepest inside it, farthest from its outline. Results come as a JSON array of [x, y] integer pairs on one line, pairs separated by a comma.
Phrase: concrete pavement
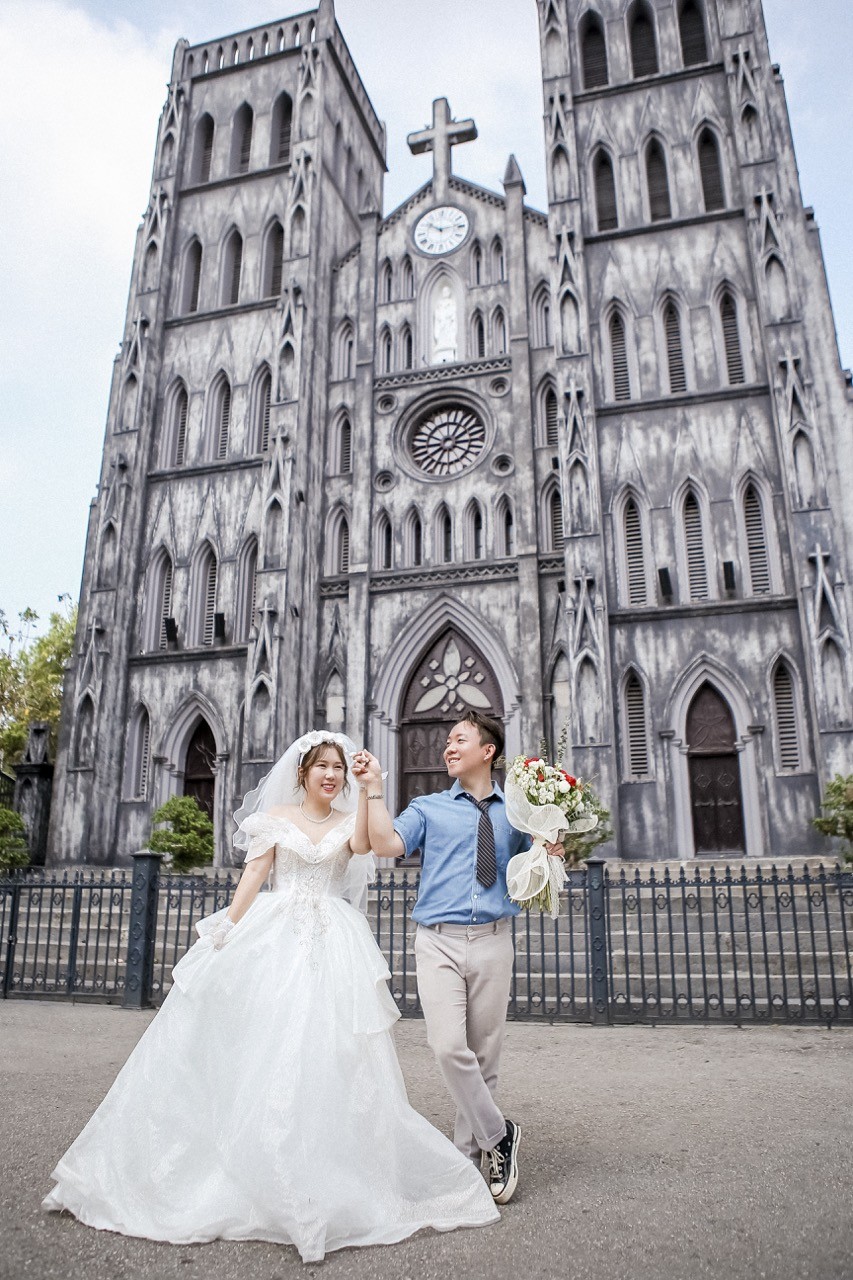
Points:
[[671, 1153]]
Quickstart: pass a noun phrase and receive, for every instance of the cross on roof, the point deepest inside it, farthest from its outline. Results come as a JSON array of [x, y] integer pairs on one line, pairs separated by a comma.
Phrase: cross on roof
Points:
[[444, 134]]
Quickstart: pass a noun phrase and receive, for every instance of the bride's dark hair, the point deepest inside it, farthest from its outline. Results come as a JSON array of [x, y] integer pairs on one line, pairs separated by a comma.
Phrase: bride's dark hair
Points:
[[312, 755]]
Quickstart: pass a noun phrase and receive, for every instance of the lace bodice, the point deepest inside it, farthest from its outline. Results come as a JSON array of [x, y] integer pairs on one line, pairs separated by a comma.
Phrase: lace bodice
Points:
[[300, 864]]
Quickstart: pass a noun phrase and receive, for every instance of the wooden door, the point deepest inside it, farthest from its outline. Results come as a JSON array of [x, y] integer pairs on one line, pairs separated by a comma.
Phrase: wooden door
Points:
[[716, 800], [199, 770]]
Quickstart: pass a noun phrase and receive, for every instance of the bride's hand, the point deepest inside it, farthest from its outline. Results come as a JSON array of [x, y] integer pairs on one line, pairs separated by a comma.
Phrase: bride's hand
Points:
[[367, 770]]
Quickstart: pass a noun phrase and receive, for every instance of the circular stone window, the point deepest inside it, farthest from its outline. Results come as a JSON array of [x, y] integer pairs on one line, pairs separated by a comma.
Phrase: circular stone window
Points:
[[383, 481], [386, 404], [503, 465], [499, 386], [447, 440]]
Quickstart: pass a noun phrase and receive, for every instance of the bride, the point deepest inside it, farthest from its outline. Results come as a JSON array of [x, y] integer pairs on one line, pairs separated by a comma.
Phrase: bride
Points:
[[265, 1100]]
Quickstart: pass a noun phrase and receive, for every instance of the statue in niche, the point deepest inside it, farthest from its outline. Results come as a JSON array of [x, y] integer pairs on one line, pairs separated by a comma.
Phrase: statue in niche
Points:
[[444, 327]]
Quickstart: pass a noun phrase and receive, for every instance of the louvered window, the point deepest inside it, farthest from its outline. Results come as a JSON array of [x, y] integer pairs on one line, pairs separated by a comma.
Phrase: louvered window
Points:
[[205, 149], [275, 259], [165, 602], [193, 277], [697, 576], [731, 340], [343, 547], [674, 351], [634, 557], [249, 589], [619, 356], [555, 520], [644, 56], [477, 533], [694, 47], [635, 712], [786, 718], [594, 56], [385, 543], [209, 601], [711, 172], [551, 429], [756, 543], [264, 399], [244, 141], [281, 130], [500, 334], [446, 539], [605, 193], [143, 749], [223, 421], [408, 349], [385, 352], [345, 459], [658, 183], [477, 264], [479, 337], [508, 531], [180, 428], [233, 267]]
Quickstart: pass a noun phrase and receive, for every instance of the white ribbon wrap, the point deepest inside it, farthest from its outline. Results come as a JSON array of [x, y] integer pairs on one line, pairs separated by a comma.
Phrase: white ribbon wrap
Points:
[[528, 873]]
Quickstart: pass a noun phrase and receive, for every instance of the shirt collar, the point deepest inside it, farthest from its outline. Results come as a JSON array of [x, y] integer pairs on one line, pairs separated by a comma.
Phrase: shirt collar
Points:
[[456, 790]]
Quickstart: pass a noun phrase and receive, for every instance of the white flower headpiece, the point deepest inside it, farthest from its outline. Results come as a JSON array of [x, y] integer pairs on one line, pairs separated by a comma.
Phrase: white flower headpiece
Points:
[[316, 737]]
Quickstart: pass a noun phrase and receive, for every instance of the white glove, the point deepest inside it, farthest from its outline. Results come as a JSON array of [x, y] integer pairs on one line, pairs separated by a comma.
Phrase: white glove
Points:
[[221, 932]]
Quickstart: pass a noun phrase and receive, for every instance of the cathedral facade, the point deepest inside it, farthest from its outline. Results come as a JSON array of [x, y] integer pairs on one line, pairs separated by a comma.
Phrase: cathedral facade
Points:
[[579, 467]]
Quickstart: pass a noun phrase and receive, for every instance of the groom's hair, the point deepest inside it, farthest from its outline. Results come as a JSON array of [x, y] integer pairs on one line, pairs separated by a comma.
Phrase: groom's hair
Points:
[[490, 731]]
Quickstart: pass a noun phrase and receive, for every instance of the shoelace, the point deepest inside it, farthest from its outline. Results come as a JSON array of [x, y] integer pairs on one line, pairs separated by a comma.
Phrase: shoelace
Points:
[[496, 1162]]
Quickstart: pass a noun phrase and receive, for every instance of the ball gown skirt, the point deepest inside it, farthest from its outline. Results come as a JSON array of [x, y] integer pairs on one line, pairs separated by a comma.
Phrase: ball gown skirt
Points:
[[265, 1100]]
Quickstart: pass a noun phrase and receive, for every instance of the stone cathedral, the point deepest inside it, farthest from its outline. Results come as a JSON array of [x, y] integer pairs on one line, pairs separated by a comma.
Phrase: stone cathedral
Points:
[[578, 466]]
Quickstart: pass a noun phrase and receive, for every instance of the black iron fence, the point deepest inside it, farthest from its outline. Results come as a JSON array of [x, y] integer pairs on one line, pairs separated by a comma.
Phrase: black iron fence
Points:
[[7, 790], [733, 945]]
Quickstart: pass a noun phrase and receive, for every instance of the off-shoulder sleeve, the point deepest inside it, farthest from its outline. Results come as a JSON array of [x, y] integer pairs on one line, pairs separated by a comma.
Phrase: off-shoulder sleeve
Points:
[[263, 831]]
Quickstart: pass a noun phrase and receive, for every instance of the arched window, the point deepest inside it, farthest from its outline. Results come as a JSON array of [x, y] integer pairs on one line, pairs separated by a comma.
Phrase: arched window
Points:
[[220, 418], [561, 177], [476, 264], [138, 756], [606, 213], [505, 526], [273, 525], [407, 278], [550, 424], [691, 28], [84, 734], [694, 545], [158, 599], [778, 298], [542, 333], [263, 399], [383, 546], [756, 542], [386, 282], [282, 130], [498, 260], [674, 348], [149, 266], [657, 182], [191, 282], [711, 171], [385, 351], [570, 323], [644, 54], [273, 259], [619, 357], [785, 716], [176, 436], [297, 232], [731, 339], [478, 337], [203, 149], [204, 595], [805, 471], [635, 559], [342, 548], [555, 532], [407, 347], [414, 539], [130, 396], [232, 266], [247, 589], [107, 561], [344, 351], [593, 52], [834, 685], [636, 736], [500, 333], [241, 139], [443, 535], [474, 531], [580, 514], [345, 445]]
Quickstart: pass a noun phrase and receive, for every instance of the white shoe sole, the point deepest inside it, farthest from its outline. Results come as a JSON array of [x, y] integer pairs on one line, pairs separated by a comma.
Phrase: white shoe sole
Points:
[[504, 1197]]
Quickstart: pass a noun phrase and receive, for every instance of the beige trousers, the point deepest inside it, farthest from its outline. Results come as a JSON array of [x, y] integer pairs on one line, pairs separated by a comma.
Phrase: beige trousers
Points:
[[464, 976]]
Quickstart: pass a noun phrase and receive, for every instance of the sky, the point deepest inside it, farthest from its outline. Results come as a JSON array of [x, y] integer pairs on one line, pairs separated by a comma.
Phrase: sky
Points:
[[77, 170]]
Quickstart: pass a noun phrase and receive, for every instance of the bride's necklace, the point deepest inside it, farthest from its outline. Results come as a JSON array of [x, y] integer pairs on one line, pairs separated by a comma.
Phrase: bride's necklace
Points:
[[318, 822]]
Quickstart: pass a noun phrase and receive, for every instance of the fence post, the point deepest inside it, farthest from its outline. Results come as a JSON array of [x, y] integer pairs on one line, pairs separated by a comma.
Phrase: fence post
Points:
[[12, 938], [139, 971], [597, 926]]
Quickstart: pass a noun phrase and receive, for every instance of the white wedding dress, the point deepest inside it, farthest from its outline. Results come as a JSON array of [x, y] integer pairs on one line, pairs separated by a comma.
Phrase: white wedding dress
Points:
[[265, 1100]]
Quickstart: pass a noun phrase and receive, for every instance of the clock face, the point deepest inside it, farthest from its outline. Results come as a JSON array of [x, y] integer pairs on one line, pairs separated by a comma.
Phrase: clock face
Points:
[[441, 230]]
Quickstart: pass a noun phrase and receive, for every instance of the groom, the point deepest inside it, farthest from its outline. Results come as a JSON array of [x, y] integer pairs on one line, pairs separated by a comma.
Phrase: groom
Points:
[[463, 945]]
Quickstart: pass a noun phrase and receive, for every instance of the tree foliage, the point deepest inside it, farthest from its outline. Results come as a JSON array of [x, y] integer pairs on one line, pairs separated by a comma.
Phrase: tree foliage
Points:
[[837, 817], [188, 840], [32, 671], [13, 841]]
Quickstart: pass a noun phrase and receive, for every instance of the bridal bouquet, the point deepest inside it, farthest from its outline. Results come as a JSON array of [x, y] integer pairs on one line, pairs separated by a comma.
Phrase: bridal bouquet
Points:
[[550, 805]]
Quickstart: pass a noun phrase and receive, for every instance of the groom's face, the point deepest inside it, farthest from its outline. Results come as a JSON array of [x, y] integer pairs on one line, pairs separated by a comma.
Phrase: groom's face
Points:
[[464, 751]]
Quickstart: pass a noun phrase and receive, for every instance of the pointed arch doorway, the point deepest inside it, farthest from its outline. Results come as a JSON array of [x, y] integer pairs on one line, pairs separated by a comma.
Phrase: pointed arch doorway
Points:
[[200, 767], [716, 800], [450, 678]]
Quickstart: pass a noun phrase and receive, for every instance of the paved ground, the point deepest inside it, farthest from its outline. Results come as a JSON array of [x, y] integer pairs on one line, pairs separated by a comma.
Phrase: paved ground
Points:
[[672, 1154]]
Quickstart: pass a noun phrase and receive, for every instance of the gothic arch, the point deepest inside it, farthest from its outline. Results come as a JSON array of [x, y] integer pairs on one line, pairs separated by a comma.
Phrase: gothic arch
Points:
[[136, 783], [441, 274], [689, 584], [731, 333], [706, 669], [173, 440], [746, 536], [631, 539], [412, 638], [673, 334], [636, 738]]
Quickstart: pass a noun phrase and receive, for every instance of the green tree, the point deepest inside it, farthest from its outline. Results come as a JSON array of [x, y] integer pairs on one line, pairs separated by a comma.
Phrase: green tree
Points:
[[837, 817], [32, 671], [188, 841], [13, 841]]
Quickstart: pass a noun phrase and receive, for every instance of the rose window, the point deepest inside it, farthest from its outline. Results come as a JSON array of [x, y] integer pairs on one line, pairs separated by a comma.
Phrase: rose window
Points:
[[447, 441]]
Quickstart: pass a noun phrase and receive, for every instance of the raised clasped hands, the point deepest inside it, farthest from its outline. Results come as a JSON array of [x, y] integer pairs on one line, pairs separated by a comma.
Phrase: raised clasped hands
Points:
[[367, 770]]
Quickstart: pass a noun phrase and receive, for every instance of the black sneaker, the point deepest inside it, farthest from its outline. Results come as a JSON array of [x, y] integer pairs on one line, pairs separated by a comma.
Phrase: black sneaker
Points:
[[503, 1165]]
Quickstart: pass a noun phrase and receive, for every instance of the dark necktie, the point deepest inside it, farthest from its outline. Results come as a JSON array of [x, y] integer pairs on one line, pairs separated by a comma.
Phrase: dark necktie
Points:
[[487, 863]]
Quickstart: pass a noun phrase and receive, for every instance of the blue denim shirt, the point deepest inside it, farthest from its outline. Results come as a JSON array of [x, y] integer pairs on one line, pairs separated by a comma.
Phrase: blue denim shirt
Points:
[[444, 827]]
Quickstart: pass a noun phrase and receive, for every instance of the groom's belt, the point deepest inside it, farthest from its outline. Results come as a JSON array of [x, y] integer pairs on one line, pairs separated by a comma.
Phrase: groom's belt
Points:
[[466, 930]]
